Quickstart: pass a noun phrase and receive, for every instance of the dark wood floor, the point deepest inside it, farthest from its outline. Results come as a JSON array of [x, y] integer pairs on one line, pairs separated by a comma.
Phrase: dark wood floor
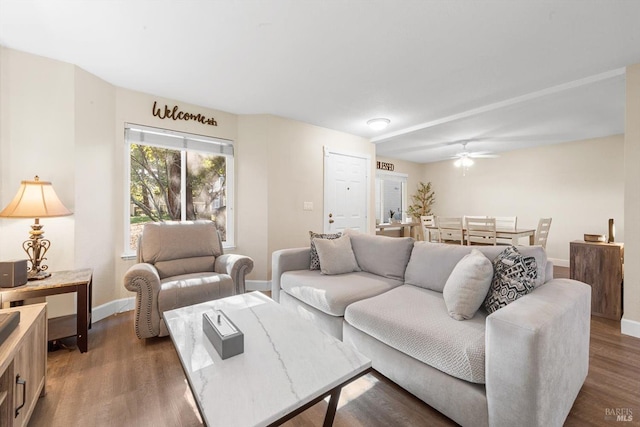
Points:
[[123, 381]]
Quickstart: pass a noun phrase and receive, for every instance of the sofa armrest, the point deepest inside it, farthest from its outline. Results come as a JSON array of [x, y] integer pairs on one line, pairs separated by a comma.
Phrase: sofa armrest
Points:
[[236, 266], [287, 260], [537, 354], [143, 279]]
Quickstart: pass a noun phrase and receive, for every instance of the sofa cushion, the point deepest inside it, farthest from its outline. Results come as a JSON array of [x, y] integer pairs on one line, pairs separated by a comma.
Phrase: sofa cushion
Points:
[[415, 321], [189, 289], [431, 264], [468, 285], [332, 294], [381, 255], [336, 256], [513, 277], [314, 260]]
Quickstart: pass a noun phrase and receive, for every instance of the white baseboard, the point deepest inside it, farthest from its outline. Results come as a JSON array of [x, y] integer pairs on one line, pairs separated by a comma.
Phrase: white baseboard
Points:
[[560, 262], [258, 285], [118, 306], [630, 327]]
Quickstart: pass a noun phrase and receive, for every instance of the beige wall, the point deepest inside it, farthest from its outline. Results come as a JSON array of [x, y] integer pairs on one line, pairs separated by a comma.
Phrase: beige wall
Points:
[[253, 197], [66, 125], [631, 318], [295, 153], [579, 184], [38, 138], [95, 222]]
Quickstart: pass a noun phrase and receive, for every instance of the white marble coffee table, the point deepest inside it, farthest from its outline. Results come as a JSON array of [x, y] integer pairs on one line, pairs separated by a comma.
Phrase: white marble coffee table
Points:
[[287, 366]]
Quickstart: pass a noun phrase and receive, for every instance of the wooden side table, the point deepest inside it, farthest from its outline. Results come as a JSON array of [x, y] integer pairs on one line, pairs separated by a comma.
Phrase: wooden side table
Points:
[[601, 266], [61, 282]]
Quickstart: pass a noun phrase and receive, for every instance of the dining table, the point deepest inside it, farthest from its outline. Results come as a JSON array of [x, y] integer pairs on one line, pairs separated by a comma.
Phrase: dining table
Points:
[[512, 234], [399, 229]]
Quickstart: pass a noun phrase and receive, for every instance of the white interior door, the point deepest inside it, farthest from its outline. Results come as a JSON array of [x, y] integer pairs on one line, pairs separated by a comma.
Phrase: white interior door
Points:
[[346, 180]]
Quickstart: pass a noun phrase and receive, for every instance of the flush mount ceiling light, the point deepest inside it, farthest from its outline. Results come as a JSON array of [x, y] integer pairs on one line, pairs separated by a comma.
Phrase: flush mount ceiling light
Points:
[[379, 123]]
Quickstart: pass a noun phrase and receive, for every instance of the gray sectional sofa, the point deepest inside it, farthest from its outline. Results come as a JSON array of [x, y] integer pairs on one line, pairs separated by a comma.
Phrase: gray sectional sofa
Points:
[[524, 364]]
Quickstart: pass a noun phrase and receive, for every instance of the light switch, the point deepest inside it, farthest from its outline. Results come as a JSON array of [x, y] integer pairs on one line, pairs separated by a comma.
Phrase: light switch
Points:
[[308, 206]]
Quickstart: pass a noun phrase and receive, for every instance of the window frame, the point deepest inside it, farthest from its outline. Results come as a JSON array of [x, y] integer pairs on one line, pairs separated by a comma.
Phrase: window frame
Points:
[[224, 147]]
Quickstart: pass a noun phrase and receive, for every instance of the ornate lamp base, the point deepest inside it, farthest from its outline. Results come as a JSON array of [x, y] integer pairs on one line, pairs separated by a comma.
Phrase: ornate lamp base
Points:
[[36, 247], [38, 275]]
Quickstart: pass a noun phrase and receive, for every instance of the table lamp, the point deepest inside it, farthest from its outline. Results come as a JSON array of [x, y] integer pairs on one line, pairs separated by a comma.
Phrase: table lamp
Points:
[[36, 199]]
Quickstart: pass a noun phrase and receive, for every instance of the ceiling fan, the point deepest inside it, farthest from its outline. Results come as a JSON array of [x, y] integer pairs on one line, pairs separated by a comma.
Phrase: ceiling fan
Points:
[[465, 157]]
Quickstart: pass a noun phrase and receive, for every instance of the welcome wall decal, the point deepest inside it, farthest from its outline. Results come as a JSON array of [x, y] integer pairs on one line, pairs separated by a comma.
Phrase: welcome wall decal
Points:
[[176, 114]]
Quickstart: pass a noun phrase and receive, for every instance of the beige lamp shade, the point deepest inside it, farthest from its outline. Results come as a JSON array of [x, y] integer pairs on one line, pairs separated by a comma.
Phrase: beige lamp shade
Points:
[[35, 199]]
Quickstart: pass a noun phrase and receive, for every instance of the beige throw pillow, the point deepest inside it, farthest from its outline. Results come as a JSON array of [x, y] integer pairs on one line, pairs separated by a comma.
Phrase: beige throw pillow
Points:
[[336, 256], [467, 286]]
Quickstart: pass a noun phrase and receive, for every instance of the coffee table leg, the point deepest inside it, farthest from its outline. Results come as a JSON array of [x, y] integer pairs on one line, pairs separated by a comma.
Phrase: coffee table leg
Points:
[[331, 409]]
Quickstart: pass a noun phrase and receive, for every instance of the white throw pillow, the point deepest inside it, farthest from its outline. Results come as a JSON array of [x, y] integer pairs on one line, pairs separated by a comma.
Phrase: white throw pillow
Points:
[[336, 256], [467, 286]]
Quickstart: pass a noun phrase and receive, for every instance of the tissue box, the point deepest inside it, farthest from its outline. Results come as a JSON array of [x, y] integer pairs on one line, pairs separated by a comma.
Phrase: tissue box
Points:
[[226, 338]]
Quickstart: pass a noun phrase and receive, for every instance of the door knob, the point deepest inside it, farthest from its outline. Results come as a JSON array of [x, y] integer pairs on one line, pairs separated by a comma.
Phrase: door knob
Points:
[[331, 218]]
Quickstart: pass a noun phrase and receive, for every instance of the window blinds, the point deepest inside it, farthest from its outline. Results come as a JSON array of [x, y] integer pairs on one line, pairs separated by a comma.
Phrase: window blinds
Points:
[[138, 134]]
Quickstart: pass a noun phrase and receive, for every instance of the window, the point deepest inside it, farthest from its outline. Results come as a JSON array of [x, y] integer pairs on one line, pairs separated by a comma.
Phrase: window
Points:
[[391, 196], [176, 176]]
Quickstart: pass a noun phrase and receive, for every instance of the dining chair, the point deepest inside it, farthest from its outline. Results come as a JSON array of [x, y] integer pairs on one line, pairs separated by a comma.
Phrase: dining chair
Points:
[[429, 234], [506, 223], [464, 218], [481, 231], [450, 230], [542, 233]]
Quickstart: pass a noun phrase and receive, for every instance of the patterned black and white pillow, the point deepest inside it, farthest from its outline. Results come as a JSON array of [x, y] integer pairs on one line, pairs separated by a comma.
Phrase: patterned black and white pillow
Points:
[[314, 258], [513, 277]]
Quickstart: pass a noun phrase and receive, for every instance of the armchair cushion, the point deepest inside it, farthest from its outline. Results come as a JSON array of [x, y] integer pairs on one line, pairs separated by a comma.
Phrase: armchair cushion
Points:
[[180, 266], [194, 288]]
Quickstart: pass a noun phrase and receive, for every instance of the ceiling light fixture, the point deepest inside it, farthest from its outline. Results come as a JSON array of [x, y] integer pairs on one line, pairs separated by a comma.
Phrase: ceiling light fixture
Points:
[[379, 123], [464, 162]]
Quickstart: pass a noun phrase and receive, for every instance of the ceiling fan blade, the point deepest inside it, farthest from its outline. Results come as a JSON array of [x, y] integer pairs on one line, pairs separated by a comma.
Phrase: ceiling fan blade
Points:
[[484, 156]]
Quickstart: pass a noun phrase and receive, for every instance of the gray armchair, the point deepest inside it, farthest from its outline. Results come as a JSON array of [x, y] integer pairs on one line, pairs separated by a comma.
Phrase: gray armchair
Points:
[[181, 264]]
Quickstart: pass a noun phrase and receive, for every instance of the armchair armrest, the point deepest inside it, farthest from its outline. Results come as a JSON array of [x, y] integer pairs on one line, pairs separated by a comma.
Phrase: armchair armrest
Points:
[[143, 279], [537, 354], [287, 260], [236, 266]]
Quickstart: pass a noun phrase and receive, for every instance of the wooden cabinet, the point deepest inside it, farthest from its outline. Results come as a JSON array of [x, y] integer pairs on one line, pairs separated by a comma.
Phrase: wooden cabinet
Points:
[[23, 366], [601, 266]]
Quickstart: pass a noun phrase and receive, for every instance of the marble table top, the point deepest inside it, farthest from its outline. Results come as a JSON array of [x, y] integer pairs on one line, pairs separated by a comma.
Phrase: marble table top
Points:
[[287, 361], [58, 279]]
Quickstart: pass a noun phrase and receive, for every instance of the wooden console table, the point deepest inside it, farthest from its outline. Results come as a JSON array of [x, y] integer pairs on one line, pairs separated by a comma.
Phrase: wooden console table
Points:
[[61, 282], [601, 266]]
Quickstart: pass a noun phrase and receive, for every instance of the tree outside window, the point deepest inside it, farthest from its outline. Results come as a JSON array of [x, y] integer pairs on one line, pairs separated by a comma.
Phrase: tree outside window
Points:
[[156, 187]]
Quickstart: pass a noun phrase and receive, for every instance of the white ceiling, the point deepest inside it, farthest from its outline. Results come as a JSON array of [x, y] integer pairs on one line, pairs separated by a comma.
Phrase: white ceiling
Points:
[[509, 74]]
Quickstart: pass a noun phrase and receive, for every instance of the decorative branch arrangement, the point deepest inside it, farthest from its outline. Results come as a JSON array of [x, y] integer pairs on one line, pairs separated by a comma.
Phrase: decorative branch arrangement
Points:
[[422, 201]]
